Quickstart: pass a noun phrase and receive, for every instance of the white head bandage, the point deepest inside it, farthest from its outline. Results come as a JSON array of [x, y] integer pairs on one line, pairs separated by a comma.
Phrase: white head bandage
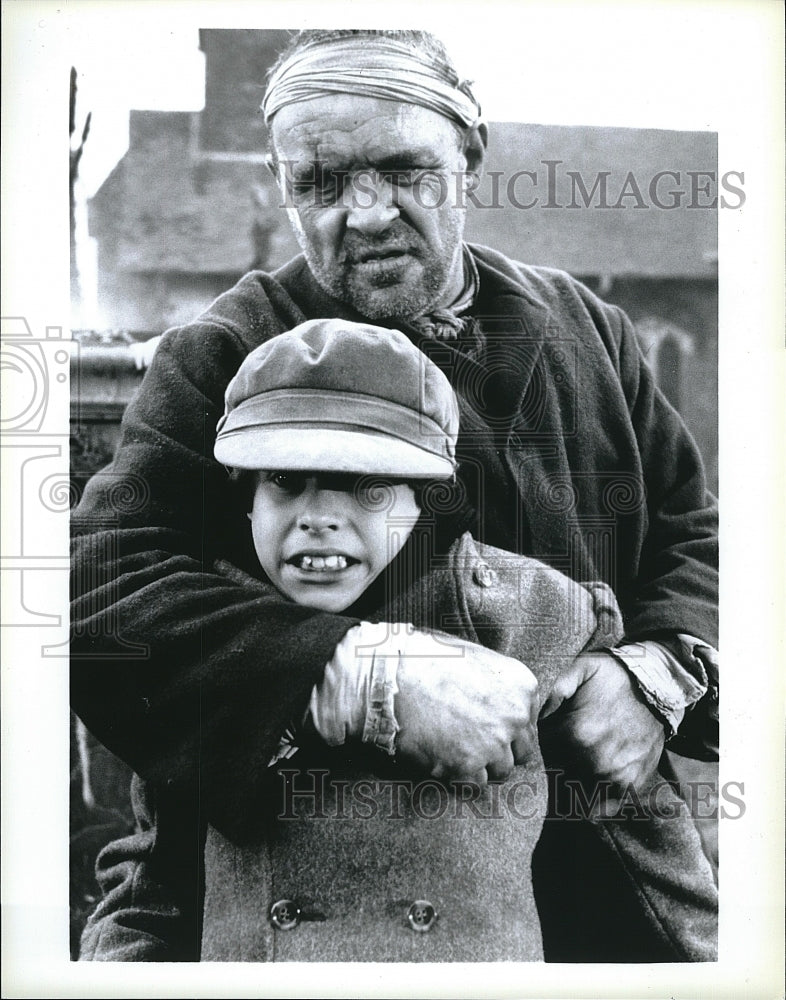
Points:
[[371, 66]]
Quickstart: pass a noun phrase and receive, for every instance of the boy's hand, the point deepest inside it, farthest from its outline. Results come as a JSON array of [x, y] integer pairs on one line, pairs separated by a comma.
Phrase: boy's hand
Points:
[[465, 712]]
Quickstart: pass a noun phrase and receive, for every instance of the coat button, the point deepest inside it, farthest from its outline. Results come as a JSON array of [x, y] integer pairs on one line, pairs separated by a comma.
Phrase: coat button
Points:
[[483, 575], [421, 915], [285, 914]]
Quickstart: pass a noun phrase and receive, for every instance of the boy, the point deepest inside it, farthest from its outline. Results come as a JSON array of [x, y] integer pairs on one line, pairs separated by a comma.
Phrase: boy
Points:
[[338, 433]]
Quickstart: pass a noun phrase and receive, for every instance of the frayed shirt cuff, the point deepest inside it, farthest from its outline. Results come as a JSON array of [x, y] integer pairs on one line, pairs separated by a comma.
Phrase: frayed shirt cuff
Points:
[[356, 697], [669, 683], [381, 727]]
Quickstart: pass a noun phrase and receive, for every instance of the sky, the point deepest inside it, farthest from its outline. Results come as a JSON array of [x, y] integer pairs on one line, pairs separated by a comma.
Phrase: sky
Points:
[[110, 82], [544, 74], [125, 59]]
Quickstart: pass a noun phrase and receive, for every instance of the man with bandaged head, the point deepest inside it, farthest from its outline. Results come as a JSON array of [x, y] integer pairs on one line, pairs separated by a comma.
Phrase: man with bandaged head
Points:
[[567, 451]]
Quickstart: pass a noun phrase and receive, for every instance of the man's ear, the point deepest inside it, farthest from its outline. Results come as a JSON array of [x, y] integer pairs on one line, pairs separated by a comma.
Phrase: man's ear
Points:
[[475, 145]]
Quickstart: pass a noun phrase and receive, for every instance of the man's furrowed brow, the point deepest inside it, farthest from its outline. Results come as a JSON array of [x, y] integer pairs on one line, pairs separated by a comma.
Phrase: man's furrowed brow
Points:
[[406, 159], [403, 159]]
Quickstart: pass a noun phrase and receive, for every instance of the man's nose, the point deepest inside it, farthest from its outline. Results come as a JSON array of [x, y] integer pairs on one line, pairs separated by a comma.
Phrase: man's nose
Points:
[[371, 205]]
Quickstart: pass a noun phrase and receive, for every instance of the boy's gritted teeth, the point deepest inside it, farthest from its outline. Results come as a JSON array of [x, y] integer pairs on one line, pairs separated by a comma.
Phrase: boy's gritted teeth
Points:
[[320, 563]]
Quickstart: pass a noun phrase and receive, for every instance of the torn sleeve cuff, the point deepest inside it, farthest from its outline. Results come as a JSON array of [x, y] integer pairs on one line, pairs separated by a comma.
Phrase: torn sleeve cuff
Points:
[[670, 677]]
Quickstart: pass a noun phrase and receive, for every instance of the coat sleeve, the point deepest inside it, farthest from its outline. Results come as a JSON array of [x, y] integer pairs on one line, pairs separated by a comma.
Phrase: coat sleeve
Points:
[[188, 676], [152, 885], [676, 584], [675, 589], [513, 604], [653, 858]]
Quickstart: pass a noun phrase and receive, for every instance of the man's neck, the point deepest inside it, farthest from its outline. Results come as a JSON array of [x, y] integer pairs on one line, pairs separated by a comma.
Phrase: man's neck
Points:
[[455, 287]]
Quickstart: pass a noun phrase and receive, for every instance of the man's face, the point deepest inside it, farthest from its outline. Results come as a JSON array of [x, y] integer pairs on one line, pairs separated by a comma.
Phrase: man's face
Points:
[[323, 539], [371, 188]]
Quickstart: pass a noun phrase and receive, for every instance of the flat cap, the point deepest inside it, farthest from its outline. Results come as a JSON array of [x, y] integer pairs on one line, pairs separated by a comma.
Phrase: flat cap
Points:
[[332, 395]]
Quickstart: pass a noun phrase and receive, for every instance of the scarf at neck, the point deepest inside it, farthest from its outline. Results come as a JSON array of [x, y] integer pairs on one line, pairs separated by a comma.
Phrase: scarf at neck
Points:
[[448, 322]]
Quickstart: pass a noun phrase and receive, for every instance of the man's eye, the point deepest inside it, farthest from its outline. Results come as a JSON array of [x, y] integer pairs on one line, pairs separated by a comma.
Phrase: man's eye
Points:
[[404, 177], [324, 186], [409, 176], [308, 190]]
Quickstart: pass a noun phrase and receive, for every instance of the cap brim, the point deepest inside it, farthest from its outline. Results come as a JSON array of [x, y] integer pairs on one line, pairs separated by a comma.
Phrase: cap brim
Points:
[[321, 449]]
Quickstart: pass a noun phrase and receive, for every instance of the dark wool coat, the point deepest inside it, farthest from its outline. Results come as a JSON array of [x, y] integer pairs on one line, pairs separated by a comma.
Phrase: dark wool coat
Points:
[[568, 453]]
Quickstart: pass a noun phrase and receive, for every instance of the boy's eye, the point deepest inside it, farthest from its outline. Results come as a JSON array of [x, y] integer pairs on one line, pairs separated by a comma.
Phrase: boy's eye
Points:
[[287, 482]]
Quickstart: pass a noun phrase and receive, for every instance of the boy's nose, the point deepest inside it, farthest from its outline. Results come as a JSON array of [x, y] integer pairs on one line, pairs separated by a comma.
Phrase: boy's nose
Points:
[[320, 510], [312, 521]]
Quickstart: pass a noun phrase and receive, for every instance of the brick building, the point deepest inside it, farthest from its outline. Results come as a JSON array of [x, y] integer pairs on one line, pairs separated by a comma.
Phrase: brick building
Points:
[[191, 207]]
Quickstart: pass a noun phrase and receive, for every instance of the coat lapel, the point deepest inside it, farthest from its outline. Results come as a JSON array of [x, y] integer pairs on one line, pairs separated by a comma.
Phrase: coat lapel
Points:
[[537, 395]]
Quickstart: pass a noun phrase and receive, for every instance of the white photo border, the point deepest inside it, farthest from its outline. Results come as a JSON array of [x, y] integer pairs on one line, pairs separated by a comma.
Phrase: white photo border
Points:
[[718, 65]]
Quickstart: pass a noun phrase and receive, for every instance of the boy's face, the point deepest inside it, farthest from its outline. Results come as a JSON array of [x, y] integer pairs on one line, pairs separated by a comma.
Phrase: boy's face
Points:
[[323, 538]]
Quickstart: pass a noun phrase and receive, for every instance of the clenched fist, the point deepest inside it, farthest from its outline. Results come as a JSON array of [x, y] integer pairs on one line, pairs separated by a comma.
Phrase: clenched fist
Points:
[[465, 712]]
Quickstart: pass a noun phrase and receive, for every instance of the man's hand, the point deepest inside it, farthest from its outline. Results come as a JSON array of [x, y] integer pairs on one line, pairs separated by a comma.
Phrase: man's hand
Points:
[[466, 713], [596, 725]]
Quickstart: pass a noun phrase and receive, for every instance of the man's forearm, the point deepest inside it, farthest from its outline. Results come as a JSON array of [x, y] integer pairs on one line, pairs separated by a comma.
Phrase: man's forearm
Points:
[[188, 676]]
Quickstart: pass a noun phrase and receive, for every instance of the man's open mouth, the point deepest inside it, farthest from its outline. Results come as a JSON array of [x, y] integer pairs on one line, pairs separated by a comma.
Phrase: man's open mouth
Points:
[[321, 564]]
